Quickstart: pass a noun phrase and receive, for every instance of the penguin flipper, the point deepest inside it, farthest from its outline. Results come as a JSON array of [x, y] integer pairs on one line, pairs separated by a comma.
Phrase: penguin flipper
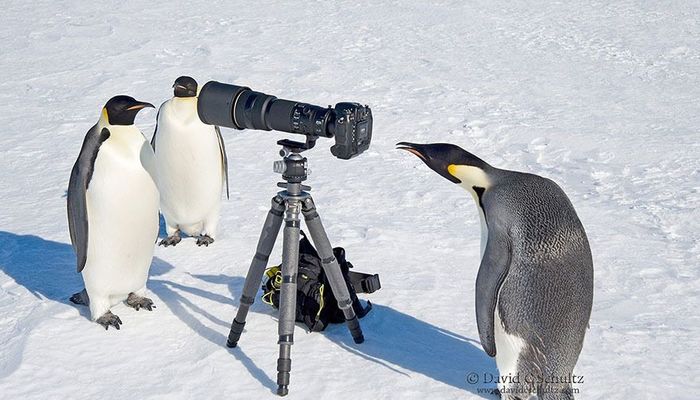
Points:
[[80, 177], [224, 159], [494, 267], [153, 138]]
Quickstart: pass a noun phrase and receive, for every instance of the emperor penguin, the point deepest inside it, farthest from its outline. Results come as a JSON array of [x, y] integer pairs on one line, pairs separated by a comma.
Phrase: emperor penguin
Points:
[[534, 287], [113, 212], [192, 167]]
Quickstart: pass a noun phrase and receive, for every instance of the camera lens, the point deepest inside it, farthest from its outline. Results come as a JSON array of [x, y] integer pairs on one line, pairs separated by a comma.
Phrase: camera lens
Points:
[[311, 120], [215, 103], [240, 107], [250, 110]]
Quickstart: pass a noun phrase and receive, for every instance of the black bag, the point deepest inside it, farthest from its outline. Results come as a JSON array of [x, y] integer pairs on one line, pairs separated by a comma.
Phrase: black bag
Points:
[[316, 304]]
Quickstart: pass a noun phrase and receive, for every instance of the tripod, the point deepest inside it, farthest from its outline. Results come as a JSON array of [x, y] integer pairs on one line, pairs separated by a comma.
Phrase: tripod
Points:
[[287, 205]]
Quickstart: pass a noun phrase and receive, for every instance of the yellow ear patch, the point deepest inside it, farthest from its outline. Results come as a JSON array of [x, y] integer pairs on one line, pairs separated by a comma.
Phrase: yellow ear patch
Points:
[[469, 175], [104, 118], [452, 169]]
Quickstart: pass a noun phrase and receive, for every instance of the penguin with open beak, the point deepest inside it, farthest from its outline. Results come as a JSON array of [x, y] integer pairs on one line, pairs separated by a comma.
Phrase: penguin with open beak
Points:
[[534, 287]]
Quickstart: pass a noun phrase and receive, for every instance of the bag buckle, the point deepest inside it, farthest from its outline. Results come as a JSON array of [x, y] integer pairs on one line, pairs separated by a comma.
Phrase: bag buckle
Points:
[[371, 284]]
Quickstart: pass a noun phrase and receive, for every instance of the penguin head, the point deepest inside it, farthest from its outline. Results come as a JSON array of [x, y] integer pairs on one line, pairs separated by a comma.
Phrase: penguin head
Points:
[[454, 164], [122, 110], [185, 86]]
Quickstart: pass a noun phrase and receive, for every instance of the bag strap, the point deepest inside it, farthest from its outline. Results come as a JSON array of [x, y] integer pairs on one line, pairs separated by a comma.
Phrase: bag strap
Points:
[[364, 283]]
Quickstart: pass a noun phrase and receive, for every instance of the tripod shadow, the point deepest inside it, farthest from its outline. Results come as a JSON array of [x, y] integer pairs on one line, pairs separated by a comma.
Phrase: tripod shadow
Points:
[[47, 269], [393, 339], [187, 312]]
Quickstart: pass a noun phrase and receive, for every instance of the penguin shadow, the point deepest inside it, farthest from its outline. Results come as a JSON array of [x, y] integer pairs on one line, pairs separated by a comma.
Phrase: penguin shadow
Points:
[[188, 312], [392, 338], [44, 267], [162, 233], [47, 269]]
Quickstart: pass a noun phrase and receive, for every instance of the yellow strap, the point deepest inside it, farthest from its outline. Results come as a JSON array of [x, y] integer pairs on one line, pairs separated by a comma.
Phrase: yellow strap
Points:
[[320, 303], [267, 298], [272, 271]]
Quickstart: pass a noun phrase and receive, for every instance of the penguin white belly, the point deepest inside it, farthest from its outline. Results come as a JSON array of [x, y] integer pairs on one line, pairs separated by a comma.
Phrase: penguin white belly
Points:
[[122, 208], [508, 350], [190, 169]]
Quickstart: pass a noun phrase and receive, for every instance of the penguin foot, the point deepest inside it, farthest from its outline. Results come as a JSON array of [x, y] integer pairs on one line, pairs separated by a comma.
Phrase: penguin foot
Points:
[[138, 302], [205, 240], [170, 240], [81, 298], [108, 319]]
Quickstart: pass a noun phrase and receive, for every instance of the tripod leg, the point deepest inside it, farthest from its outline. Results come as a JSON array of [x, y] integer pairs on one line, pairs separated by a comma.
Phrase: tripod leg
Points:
[[288, 295], [331, 268], [257, 268]]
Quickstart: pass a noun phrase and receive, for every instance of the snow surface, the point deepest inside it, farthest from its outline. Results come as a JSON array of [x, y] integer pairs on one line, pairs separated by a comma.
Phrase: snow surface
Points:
[[601, 96]]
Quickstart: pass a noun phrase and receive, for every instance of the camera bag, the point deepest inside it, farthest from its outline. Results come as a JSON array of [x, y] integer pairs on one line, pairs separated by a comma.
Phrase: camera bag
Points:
[[316, 305]]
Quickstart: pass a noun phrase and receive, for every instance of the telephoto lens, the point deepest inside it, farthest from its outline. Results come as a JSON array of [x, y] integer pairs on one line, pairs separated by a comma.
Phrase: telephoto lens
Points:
[[239, 107]]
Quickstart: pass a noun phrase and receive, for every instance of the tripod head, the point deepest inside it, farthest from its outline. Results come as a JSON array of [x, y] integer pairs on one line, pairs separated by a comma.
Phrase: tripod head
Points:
[[293, 166]]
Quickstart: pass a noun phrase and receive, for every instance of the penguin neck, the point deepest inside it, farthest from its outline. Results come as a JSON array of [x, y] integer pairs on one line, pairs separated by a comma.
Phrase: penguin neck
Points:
[[476, 181], [482, 221], [184, 107], [127, 139]]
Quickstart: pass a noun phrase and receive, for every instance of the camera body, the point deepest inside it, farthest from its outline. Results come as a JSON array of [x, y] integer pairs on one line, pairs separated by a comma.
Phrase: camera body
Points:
[[353, 130], [240, 107]]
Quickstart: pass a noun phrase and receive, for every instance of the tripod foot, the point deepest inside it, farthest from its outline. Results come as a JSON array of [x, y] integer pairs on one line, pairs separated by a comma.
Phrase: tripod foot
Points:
[[355, 330], [282, 390]]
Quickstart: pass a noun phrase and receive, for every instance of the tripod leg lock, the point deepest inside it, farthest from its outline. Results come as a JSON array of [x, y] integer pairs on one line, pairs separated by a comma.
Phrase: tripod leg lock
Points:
[[355, 330], [235, 334], [284, 366], [286, 339], [247, 300], [262, 257], [344, 304]]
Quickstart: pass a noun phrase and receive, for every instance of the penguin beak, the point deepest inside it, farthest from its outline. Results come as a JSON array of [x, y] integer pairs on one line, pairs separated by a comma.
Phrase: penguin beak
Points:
[[411, 148], [139, 105], [433, 156]]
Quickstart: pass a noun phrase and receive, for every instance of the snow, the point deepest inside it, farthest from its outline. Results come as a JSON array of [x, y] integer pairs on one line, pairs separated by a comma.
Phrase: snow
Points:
[[602, 97]]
